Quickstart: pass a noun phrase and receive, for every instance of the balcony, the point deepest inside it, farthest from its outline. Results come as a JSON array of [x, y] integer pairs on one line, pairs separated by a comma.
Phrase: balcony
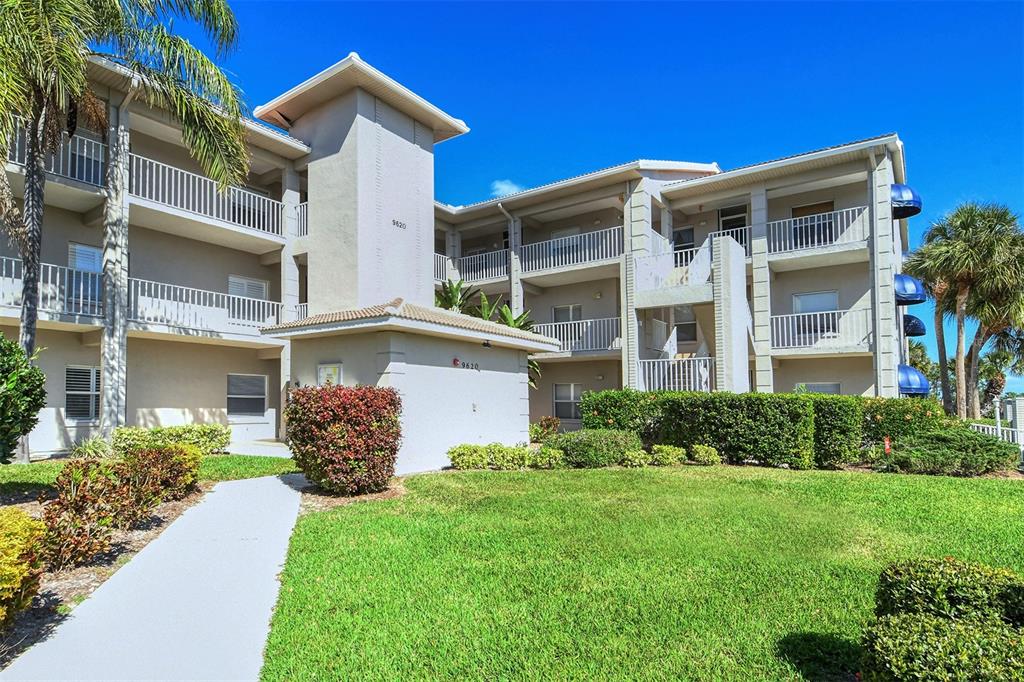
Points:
[[63, 293], [677, 374], [742, 235], [565, 252], [77, 158], [819, 231], [440, 267], [301, 311], [302, 213], [483, 266], [823, 332], [177, 310], [583, 335]]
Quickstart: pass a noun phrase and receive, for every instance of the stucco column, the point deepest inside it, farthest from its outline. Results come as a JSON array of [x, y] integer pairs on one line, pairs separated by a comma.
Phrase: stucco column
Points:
[[453, 249], [731, 316], [883, 271], [114, 344], [290, 195], [636, 215], [516, 298], [764, 381]]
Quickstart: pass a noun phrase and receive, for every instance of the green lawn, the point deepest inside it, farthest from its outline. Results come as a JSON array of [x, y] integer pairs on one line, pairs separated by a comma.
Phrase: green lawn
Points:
[[694, 573]]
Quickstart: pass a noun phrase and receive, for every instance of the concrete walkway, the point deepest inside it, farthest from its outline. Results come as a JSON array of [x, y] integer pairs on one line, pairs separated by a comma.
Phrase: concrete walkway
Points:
[[193, 604], [264, 448]]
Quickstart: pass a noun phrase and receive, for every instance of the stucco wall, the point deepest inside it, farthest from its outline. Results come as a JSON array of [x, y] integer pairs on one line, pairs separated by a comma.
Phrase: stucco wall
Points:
[[59, 228], [843, 196], [854, 374], [586, 373], [592, 221], [852, 281], [582, 293]]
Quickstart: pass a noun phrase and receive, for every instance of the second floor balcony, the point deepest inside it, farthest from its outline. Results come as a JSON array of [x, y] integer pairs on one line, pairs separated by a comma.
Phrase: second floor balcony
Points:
[[77, 158], [828, 331], [63, 293], [564, 252], [600, 334], [677, 374]]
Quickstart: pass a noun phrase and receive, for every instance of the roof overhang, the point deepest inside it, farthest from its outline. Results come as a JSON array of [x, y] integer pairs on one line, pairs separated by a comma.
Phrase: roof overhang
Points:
[[352, 72]]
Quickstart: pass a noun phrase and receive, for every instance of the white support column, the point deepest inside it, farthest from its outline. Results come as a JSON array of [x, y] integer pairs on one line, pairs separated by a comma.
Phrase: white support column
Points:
[[290, 195], [517, 299], [636, 231], [883, 270], [731, 316], [453, 248], [764, 381]]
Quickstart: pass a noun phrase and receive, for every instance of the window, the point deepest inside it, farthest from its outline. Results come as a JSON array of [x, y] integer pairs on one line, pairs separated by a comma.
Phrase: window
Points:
[[248, 287], [813, 327], [686, 324], [821, 387], [816, 302], [732, 217], [82, 393], [247, 394], [85, 281], [682, 238], [813, 224], [567, 400], [567, 313]]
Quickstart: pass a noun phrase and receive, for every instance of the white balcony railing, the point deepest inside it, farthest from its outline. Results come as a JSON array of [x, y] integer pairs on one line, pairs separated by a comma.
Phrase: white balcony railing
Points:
[[685, 267], [590, 247], [816, 231], [78, 158], [302, 213], [834, 328], [583, 335], [197, 309], [301, 311], [490, 265], [677, 374], [61, 290], [164, 184], [440, 267], [741, 234]]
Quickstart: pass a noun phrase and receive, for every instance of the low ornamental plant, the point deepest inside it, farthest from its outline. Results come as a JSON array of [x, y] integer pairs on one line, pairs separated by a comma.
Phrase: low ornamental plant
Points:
[[950, 451], [21, 561], [80, 519], [507, 457], [22, 396], [898, 417], [208, 438], [468, 457], [544, 429], [635, 459], [345, 439], [594, 448], [667, 455], [546, 457], [704, 455]]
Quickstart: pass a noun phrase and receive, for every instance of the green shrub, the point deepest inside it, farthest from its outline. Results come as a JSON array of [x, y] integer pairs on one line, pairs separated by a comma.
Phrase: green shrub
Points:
[[507, 457], [80, 519], [592, 448], [705, 455], [635, 459], [838, 429], [623, 410], [96, 447], [951, 589], [953, 451], [209, 438], [22, 396], [771, 429], [546, 457], [899, 417], [20, 561], [173, 467], [468, 456], [915, 646], [544, 429], [667, 455]]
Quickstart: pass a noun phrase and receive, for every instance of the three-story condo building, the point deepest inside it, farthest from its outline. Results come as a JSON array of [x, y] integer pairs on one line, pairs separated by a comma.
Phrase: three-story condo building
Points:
[[651, 274]]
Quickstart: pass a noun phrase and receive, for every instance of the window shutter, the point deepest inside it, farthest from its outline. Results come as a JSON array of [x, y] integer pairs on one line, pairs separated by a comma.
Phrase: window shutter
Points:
[[82, 392], [85, 257], [247, 287]]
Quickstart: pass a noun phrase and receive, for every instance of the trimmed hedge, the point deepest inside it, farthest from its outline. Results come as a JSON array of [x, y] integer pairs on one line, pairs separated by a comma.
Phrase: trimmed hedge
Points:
[[504, 457], [951, 451], [173, 468], [838, 429], [20, 561], [915, 646], [546, 457], [635, 459], [667, 455], [624, 410], [704, 455], [469, 457], [899, 417], [951, 589], [345, 438], [594, 448], [209, 438]]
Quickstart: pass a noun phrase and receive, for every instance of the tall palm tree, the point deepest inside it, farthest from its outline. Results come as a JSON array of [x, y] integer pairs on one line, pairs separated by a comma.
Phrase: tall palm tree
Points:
[[971, 247], [998, 306], [45, 50]]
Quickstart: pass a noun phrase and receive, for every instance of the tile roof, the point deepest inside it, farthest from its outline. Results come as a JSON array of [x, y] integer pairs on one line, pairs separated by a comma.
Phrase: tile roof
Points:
[[409, 311]]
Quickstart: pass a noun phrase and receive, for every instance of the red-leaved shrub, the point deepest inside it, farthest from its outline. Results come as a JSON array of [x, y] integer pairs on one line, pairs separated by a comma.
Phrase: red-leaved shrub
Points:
[[344, 438]]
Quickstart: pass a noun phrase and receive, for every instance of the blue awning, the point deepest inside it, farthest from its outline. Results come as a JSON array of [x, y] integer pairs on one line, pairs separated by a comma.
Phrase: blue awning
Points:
[[905, 201], [913, 326], [912, 382], [909, 290]]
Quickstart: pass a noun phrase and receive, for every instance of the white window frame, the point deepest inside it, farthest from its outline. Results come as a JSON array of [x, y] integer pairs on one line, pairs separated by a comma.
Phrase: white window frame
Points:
[[246, 282], [733, 216], [575, 391], [807, 386], [93, 393], [88, 247], [676, 324], [681, 246], [573, 308], [796, 298], [266, 390]]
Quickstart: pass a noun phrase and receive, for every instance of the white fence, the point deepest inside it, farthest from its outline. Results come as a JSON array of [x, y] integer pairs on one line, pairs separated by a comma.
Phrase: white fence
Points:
[[78, 158], [599, 334], [61, 290], [302, 212], [680, 374], [1004, 433], [301, 311], [187, 191], [742, 236], [490, 265], [177, 306], [833, 328], [440, 267], [589, 247], [816, 231]]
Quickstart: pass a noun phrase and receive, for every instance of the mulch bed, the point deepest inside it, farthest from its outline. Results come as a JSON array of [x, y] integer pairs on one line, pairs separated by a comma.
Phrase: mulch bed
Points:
[[316, 500], [61, 591]]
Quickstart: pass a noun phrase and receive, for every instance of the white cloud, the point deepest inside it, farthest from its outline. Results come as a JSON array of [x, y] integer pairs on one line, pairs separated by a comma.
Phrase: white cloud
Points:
[[500, 188]]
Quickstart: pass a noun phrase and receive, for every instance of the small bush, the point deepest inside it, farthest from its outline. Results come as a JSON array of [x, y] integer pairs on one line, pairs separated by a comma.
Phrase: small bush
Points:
[[915, 646], [704, 455], [507, 458], [624, 410], [79, 521], [468, 456], [546, 457], [544, 429], [95, 447], [345, 438], [635, 459], [899, 417], [838, 429], [953, 451], [951, 589], [592, 448], [667, 455], [209, 438], [20, 561], [22, 396], [174, 468]]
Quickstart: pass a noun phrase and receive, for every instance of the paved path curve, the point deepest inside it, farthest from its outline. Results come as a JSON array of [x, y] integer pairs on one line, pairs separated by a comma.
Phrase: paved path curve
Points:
[[193, 604]]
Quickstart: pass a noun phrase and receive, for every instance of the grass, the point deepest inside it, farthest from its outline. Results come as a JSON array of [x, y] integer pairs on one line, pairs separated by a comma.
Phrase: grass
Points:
[[680, 573]]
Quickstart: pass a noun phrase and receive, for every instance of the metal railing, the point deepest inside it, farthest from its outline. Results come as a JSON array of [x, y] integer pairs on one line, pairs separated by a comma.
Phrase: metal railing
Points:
[[589, 247], [301, 311], [816, 231], [490, 265], [741, 234], [582, 335], [440, 267], [165, 184], [188, 308], [302, 213], [834, 328], [78, 158], [61, 290], [674, 268], [677, 374]]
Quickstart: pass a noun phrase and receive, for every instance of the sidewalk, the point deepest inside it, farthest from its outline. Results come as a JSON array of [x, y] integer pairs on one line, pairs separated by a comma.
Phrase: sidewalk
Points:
[[193, 604]]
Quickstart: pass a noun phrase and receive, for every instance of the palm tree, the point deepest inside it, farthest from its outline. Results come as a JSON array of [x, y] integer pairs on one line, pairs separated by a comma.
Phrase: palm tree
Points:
[[456, 296], [45, 50], [999, 311], [973, 247]]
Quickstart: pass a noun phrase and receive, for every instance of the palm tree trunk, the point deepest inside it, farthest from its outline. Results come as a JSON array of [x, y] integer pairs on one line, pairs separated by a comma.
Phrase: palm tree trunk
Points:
[[981, 337], [940, 340], [961, 371], [32, 215]]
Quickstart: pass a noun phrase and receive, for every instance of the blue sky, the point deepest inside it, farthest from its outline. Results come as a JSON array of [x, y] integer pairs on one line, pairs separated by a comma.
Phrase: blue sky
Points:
[[554, 90]]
